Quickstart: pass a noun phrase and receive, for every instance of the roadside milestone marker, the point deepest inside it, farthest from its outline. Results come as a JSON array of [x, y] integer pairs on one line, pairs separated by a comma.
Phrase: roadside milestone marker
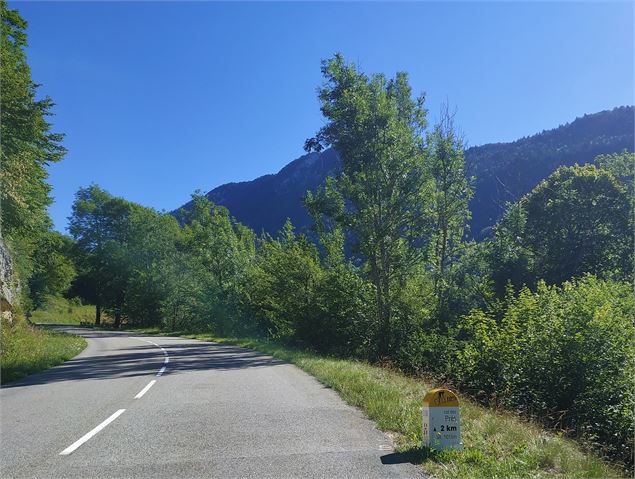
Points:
[[441, 425]]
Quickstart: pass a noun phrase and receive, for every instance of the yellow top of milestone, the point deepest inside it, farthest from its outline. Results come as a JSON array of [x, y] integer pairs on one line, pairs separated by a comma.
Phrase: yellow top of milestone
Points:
[[440, 398]]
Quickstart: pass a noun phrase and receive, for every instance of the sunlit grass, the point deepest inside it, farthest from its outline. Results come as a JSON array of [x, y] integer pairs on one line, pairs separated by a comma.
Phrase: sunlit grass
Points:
[[26, 349], [63, 311], [496, 444]]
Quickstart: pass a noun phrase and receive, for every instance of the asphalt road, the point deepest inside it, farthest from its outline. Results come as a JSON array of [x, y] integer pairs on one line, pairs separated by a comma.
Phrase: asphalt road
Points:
[[214, 411]]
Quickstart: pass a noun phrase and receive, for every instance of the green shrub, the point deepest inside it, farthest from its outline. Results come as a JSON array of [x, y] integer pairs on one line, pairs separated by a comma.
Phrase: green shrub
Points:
[[562, 354], [343, 320]]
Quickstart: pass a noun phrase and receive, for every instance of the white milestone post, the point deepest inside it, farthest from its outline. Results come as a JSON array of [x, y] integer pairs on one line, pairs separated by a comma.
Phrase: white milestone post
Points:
[[441, 428]]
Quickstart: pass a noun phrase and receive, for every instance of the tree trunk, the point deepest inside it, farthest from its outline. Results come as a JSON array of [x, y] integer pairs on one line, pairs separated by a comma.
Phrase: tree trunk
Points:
[[384, 288], [117, 319], [98, 314]]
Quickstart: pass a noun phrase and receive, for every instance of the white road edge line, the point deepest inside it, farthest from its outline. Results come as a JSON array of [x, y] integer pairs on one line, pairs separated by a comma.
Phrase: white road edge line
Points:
[[90, 434], [145, 389]]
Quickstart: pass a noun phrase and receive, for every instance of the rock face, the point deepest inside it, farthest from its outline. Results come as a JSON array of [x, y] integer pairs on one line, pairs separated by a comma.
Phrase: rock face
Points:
[[6, 276]]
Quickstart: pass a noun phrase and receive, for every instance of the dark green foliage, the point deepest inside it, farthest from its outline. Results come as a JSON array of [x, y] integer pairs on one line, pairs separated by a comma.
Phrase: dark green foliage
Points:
[[579, 220], [54, 267], [283, 283], [344, 319]]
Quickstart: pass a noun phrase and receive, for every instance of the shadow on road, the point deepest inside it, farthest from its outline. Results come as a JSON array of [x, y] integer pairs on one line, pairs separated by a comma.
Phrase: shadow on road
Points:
[[146, 359]]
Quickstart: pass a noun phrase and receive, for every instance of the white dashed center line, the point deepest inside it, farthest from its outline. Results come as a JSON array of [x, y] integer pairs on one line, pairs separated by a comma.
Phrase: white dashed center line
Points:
[[90, 434], [145, 389]]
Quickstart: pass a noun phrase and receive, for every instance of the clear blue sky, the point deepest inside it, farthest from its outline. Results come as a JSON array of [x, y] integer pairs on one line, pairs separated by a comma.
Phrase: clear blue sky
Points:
[[159, 99]]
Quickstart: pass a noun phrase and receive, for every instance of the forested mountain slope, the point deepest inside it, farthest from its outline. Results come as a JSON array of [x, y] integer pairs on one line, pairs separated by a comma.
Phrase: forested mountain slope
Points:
[[506, 171], [503, 171]]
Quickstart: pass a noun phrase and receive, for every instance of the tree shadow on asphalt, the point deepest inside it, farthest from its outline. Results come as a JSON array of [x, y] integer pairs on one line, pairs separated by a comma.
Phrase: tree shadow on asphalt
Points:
[[145, 360]]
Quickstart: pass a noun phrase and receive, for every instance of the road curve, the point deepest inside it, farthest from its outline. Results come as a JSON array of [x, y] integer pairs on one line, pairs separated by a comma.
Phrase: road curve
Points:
[[214, 411]]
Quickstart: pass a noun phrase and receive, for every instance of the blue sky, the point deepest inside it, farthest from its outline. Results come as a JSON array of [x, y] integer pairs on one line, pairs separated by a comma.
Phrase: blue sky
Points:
[[160, 99]]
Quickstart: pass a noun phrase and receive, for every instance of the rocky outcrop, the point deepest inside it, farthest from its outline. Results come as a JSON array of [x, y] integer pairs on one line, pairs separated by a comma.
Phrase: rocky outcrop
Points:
[[7, 296]]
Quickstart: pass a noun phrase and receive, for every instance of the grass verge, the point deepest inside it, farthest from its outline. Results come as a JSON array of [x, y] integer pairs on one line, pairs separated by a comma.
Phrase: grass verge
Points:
[[25, 349], [496, 444], [62, 311]]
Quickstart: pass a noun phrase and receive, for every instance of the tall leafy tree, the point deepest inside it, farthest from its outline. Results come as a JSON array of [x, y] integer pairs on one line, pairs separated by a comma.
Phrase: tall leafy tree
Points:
[[380, 196], [99, 225], [282, 285], [28, 145], [223, 246], [576, 221], [449, 197]]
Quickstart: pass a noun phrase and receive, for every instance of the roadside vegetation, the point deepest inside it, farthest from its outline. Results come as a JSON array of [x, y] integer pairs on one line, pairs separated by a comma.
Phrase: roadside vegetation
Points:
[[58, 310], [534, 320], [496, 443], [26, 349]]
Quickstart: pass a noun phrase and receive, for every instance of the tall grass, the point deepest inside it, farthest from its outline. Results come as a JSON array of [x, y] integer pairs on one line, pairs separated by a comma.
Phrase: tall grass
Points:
[[62, 311], [25, 349]]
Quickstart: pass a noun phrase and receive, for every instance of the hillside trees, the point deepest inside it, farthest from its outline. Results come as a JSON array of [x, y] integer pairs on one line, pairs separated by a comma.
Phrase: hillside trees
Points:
[[376, 127]]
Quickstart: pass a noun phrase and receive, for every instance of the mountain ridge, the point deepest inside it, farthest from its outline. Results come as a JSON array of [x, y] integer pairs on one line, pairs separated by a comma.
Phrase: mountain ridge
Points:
[[504, 172]]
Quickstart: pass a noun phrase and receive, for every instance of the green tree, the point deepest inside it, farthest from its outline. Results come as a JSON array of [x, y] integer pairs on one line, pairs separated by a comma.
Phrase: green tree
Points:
[[223, 246], [448, 206], [224, 251], [376, 127], [54, 267], [282, 285], [150, 253], [576, 221], [99, 225], [563, 354], [28, 145], [621, 166]]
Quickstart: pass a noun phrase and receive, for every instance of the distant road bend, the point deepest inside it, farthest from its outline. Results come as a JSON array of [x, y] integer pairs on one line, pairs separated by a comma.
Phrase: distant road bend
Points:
[[163, 407]]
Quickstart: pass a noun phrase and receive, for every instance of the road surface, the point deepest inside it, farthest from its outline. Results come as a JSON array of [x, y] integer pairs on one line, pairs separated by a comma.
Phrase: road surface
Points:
[[146, 406]]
